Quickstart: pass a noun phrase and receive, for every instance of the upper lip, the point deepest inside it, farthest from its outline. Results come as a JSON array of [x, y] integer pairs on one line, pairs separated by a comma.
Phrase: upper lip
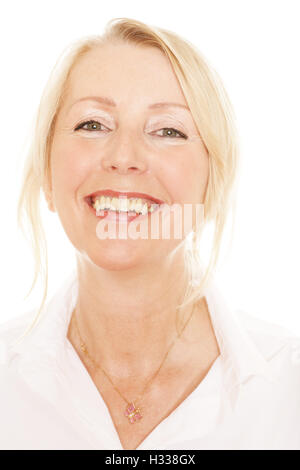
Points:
[[128, 194]]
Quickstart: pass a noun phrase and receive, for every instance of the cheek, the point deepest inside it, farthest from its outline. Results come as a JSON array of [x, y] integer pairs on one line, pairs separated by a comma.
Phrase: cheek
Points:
[[185, 175], [69, 168]]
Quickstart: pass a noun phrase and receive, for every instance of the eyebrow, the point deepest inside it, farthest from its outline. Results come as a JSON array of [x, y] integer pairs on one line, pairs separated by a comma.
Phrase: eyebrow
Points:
[[110, 102]]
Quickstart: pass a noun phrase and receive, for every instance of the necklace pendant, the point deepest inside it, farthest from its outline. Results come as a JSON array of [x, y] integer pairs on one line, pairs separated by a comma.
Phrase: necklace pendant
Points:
[[132, 413]]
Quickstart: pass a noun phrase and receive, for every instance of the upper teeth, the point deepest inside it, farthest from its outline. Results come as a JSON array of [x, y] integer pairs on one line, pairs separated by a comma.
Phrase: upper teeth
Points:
[[123, 204]]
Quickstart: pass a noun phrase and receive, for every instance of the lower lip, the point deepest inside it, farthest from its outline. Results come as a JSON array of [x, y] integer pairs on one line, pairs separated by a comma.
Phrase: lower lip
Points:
[[119, 216]]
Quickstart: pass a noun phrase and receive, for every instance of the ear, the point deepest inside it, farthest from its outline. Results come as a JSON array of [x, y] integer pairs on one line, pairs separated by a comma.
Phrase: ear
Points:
[[49, 201], [47, 190]]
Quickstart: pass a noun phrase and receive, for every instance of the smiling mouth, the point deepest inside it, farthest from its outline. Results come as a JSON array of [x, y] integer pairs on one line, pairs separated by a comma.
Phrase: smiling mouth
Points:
[[121, 208]]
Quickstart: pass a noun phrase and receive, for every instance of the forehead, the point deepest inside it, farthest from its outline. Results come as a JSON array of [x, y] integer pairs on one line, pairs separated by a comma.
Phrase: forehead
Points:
[[125, 73]]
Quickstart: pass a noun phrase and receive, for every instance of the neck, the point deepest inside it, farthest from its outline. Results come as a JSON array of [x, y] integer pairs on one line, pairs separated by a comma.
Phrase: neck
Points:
[[128, 320]]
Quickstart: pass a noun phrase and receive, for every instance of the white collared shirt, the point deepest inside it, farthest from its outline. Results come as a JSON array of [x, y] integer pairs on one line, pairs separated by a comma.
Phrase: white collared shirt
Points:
[[250, 398]]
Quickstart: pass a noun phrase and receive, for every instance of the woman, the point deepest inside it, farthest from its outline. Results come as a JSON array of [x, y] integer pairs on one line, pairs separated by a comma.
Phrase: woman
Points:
[[138, 350]]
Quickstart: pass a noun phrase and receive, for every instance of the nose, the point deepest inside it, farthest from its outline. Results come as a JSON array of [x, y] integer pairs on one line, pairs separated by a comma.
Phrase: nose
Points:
[[125, 157]]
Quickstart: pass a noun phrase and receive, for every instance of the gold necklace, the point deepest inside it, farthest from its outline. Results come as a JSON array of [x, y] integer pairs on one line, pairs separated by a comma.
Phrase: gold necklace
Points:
[[132, 412]]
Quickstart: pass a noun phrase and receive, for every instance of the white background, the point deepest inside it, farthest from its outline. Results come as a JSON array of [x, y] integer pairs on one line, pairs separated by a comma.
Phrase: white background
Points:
[[254, 45]]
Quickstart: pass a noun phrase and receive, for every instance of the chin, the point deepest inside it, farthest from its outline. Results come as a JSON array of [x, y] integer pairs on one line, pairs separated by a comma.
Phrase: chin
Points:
[[117, 255]]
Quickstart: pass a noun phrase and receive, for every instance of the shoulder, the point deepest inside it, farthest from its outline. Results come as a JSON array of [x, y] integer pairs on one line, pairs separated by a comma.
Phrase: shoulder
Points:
[[264, 333], [11, 330], [279, 346]]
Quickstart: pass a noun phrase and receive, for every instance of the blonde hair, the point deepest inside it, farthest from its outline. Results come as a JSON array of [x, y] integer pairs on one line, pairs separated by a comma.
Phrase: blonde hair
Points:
[[212, 114]]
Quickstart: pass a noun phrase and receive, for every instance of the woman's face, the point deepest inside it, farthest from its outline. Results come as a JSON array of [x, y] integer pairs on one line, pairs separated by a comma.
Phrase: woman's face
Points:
[[125, 150]]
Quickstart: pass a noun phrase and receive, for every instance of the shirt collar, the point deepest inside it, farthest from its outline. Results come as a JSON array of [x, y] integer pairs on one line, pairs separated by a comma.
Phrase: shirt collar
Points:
[[50, 331], [241, 357]]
